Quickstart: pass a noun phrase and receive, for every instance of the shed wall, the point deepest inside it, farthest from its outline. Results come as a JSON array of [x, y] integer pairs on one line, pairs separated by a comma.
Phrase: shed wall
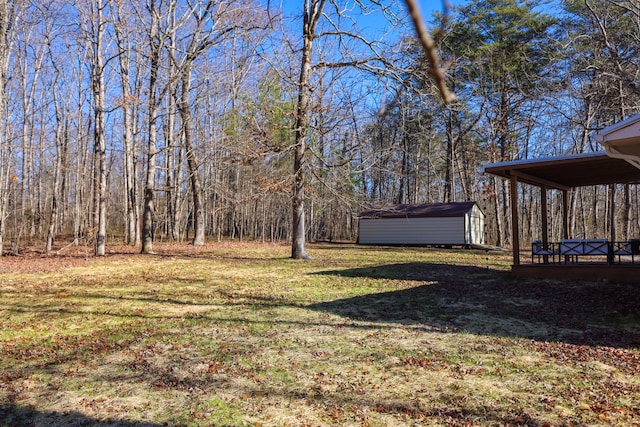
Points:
[[474, 221], [412, 231]]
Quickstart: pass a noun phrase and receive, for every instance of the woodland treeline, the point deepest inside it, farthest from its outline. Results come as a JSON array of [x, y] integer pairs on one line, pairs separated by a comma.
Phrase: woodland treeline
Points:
[[187, 120]]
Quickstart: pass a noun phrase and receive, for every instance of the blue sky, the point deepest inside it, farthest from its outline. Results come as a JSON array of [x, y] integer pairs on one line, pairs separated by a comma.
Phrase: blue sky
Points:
[[373, 23], [427, 7]]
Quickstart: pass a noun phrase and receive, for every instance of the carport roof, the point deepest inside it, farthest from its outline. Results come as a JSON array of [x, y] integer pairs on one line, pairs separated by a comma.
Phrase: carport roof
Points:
[[622, 140], [569, 171]]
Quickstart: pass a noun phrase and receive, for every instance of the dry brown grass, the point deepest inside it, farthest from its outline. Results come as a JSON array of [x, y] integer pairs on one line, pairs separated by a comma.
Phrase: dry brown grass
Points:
[[238, 334]]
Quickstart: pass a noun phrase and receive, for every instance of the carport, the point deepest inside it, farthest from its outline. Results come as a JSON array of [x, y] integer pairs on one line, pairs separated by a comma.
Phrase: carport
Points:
[[620, 164]]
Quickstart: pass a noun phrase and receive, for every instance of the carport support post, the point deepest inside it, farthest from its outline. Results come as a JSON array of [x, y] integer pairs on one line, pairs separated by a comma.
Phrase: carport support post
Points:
[[545, 221], [565, 218], [514, 220], [565, 214]]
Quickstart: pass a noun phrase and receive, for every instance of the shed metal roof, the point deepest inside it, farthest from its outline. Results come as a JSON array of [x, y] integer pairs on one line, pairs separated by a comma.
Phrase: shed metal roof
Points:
[[424, 210]]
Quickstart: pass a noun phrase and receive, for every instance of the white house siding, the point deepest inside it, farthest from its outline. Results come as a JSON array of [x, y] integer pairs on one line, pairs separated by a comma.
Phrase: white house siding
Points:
[[416, 231]]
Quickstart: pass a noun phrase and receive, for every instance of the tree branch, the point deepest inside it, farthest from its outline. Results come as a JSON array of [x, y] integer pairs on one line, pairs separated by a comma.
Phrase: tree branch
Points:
[[430, 52]]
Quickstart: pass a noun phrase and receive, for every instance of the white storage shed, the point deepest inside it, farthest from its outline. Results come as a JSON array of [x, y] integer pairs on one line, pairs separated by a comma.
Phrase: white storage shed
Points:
[[460, 223]]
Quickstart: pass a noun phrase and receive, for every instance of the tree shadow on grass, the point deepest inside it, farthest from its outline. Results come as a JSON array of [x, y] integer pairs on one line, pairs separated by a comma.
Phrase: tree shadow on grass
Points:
[[14, 416], [488, 302]]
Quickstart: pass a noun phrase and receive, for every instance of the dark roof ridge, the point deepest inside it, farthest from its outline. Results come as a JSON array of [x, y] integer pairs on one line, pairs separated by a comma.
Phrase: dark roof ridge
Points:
[[423, 210]]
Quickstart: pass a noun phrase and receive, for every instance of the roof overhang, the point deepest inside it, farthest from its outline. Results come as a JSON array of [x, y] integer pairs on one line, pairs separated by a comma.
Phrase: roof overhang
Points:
[[622, 140], [569, 171]]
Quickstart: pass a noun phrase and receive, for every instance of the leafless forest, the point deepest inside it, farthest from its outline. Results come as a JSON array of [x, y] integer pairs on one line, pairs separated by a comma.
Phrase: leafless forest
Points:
[[186, 120]]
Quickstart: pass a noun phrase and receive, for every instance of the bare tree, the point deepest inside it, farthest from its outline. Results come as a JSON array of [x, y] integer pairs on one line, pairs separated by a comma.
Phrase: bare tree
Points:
[[211, 22], [350, 49], [618, 24], [29, 59], [203, 36], [312, 12], [9, 10], [155, 48], [95, 34], [129, 103], [61, 144]]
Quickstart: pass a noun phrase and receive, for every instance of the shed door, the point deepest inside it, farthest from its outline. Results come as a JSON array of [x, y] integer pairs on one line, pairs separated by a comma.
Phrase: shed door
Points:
[[474, 224]]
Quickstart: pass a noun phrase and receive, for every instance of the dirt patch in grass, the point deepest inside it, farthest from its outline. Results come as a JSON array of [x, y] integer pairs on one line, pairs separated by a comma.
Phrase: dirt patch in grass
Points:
[[239, 335]]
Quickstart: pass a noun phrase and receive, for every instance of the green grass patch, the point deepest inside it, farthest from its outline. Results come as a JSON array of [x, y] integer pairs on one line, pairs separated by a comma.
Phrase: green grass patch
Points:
[[241, 335]]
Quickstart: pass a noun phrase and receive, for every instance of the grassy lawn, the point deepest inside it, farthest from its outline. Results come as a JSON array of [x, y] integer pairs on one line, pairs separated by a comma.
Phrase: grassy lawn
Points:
[[240, 335]]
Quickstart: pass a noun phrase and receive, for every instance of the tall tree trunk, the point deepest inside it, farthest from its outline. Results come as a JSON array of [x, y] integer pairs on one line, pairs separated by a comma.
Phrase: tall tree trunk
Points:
[[61, 149], [192, 161], [133, 213], [6, 12], [448, 174], [626, 207], [132, 229], [312, 13], [99, 137], [152, 149], [505, 145], [173, 165], [149, 206], [173, 157], [584, 139], [404, 170]]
